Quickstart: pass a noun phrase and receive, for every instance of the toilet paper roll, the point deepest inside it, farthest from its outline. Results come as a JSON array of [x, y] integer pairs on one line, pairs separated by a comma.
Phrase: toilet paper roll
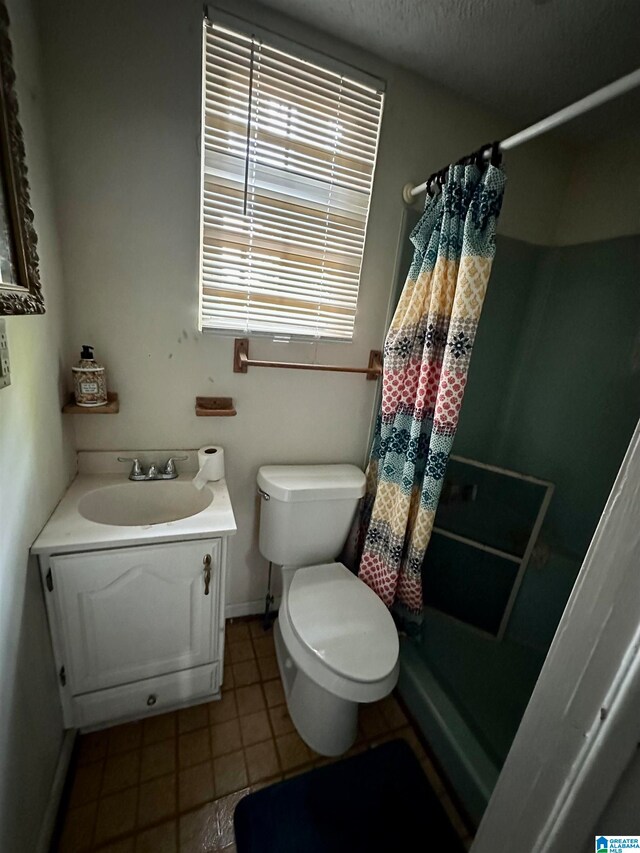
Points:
[[211, 463]]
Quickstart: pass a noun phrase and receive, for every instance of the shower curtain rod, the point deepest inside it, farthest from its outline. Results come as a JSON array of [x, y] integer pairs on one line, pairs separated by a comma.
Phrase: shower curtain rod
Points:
[[584, 105]]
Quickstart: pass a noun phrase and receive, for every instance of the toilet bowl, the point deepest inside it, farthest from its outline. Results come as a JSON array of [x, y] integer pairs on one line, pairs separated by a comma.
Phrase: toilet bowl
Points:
[[336, 642]]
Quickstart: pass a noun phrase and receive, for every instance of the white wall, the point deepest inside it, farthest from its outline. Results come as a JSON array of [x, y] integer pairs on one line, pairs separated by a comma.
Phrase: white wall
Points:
[[603, 196], [36, 463], [124, 105]]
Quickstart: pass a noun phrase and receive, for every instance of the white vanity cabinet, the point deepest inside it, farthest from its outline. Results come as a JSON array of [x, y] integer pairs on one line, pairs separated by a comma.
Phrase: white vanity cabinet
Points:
[[136, 630]]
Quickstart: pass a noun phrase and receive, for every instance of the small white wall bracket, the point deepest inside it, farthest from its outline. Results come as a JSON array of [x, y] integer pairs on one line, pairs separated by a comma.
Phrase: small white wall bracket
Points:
[[407, 197]]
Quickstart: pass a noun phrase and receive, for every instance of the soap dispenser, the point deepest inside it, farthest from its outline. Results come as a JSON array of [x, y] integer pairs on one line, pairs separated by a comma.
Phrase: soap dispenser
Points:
[[89, 380]]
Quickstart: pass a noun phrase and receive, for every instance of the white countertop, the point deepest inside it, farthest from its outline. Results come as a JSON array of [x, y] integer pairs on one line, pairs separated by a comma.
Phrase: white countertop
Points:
[[68, 531]]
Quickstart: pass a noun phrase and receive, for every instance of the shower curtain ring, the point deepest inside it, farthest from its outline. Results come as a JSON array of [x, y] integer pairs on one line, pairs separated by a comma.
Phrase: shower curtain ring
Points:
[[496, 153]]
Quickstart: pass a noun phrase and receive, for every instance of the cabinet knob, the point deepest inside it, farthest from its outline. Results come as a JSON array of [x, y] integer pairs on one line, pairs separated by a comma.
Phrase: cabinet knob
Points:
[[152, 699]]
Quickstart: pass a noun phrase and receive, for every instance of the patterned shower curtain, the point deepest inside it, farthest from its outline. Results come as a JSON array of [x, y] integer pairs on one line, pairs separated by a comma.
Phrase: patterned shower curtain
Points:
[[426, 360]]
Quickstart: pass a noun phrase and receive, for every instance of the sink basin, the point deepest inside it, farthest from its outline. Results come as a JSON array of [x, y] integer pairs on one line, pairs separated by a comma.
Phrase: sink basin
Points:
[[136, 504]]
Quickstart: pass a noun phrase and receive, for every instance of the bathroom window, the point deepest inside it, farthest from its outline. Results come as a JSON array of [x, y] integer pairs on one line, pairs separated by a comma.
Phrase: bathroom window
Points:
[[289, 143]]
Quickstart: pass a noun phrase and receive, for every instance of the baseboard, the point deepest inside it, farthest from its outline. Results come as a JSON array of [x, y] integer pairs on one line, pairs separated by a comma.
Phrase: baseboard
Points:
[[57, 787], [248, 608]]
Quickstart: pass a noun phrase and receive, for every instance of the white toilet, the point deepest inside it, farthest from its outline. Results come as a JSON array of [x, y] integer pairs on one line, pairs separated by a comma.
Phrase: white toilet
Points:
[[336, 642]]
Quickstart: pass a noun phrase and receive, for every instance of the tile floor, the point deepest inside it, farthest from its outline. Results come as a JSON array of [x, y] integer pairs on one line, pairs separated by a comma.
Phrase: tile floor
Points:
[[170, 783]]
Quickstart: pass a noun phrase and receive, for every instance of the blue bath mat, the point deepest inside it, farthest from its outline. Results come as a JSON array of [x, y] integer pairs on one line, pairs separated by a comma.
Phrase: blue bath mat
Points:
[[379, 800]]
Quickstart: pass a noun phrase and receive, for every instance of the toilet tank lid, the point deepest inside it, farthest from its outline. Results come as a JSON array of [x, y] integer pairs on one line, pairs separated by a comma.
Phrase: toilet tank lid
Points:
[[311, 482]]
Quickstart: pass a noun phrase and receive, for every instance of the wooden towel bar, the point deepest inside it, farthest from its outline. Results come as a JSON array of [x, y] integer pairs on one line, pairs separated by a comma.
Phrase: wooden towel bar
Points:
[[241, 362]]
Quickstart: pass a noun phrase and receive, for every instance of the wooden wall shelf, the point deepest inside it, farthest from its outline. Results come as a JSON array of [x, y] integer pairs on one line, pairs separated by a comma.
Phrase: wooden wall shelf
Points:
[[215, 407], [111, 407]]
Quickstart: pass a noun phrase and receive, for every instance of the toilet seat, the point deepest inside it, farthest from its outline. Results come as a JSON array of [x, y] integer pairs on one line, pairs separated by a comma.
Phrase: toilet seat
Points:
[[337, 646], [328, 671], [342, 621]]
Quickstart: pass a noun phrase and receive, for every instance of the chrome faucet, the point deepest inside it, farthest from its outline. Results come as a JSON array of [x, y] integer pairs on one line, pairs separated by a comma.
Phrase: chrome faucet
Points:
[[168, 471]]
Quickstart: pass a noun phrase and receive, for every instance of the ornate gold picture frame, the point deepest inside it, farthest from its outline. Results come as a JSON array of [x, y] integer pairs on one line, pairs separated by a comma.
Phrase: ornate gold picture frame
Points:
[[20, 290]]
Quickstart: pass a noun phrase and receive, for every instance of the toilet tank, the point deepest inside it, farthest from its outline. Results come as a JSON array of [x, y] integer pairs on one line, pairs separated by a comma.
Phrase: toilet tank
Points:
[[308, 512]]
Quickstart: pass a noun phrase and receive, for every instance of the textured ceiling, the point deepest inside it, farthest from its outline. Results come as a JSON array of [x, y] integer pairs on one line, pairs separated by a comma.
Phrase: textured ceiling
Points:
[[526, 58]]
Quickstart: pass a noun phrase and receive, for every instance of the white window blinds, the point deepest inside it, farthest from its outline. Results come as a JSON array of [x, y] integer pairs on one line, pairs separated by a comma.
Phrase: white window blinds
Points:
[[289, 150]]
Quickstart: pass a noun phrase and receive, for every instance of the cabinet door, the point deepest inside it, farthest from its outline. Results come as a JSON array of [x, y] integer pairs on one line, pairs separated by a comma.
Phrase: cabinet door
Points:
[[135, 613]]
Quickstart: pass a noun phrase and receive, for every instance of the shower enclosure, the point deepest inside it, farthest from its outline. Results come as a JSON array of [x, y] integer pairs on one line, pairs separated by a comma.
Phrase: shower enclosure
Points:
[[551, 404], [465, 678]]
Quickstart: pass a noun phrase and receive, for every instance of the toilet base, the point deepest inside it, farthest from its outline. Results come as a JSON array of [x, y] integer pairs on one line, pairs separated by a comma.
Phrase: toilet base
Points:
[[327, 723]]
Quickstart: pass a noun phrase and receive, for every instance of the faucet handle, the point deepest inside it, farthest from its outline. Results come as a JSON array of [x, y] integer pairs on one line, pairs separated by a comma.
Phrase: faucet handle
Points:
[[169, 469], [136, 467]]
